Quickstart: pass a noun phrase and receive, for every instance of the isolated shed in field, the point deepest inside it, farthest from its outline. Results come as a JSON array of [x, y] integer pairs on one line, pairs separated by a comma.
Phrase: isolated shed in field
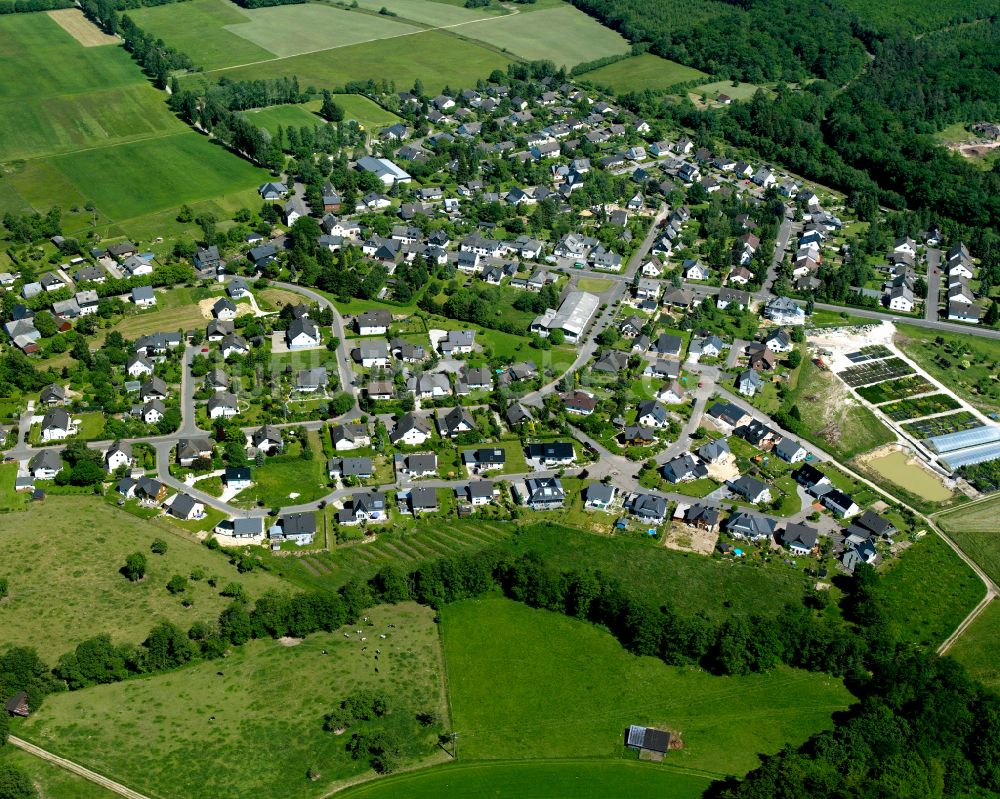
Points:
[[648, 741], [17, 705]]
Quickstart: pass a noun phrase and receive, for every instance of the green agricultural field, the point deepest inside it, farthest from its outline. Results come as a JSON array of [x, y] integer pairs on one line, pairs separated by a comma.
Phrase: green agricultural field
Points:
[[435, 57], [570, 691], [198, 28], [433, 12], [693, 584], [80, 96], [79, 543], [52, 781], [582, 779], [976, 648], [257, 714], [641, 72], [564, 35], [293, 29], [927, 592], [975, 530], [966, 364], [39, 59], [155, 175], [830, 419]]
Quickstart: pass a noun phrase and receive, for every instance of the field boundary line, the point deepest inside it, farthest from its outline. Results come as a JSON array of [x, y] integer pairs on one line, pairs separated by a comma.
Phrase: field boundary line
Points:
[[428, 29], [76, 768]]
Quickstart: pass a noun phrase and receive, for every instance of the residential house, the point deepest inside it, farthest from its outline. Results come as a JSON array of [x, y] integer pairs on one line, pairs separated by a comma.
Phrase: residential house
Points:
[[729, 296], [186, 507], [56, 425], [799, 538], [190, 450], [237, 478], [599, 496], [373, 323], [748, 383], [223, 404], [350, 435], [302, 334], [456, 422], [789, 450], [119, 455], [478, 492], [350, 467], [421, 464], [750, 488], [368, 506], [651, 413], [649, 508], [579, 402], [372, 353], [714, 451], [411, 430], [422, 499], [541, 493], [744, 525], [268, 438], [45, 465], [840, 503], [551, 453], [684, 468], [143, 297], [299, 528], [309, 381]]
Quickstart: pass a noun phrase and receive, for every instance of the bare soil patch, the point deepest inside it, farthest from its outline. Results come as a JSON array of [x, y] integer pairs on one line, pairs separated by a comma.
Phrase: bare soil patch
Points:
[[80, 28], [690, 539]]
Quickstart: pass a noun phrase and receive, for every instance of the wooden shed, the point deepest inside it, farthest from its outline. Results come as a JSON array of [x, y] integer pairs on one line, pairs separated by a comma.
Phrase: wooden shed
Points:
[[17, 705]]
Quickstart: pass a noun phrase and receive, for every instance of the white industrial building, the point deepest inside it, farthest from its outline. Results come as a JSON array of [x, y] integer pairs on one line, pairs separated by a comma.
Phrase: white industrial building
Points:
[[572, 318]]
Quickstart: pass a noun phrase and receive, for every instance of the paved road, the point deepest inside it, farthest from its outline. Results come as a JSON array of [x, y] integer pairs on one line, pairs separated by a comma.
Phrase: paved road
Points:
[[76, 768], [780, 243], [933, 284]]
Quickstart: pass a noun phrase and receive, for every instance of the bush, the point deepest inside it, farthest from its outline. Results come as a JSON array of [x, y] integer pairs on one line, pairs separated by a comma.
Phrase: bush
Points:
[[178, 584], [158, 547]]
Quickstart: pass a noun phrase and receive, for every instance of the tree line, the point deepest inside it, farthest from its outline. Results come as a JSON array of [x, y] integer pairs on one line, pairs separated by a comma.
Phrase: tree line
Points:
[[27, 6]]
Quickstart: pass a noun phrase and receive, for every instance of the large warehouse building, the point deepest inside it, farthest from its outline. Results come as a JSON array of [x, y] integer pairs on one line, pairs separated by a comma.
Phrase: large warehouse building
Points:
[[572, 318]]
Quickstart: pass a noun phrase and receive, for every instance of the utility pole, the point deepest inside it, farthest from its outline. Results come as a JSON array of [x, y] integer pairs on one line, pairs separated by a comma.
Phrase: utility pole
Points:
[[454, 745]]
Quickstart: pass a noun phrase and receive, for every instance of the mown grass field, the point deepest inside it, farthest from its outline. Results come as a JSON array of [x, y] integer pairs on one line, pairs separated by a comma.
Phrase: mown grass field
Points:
[[250, 725], [433, 56], [293, 29], [285, 116], [367, 113], [582, 779], [53, 782], [434, 13], [570, 691], [693, 584], [564, 35], [976, 649], [79, 543], [641, 72], [927, 592], [977, 532], [9, 498]]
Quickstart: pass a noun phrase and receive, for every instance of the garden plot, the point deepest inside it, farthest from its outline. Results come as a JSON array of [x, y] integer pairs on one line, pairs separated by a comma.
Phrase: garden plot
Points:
[[870, 353], [898, 389], [942, 425], [902, 410], [875, 372]]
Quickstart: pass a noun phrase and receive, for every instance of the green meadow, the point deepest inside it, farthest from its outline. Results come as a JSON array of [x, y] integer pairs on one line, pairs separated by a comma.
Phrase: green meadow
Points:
[[572, 779], [976, 648], [79, 543], [641, 72], [571, 691], [251, 724]]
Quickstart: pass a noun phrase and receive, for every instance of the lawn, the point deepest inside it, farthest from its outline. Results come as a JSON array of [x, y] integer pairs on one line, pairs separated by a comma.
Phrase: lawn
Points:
[[966, 364], [595, 285], [79, 543], [367, 113], [9, 498], [564, 35], [583, 779], [692, 584], [435, 57], [822, 318], [641, 72], [570, 691], [288, 479], [976, 648], [262, 693], [976, 531], [927, 592], [831, 418], [52, 781], [285, 116]]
